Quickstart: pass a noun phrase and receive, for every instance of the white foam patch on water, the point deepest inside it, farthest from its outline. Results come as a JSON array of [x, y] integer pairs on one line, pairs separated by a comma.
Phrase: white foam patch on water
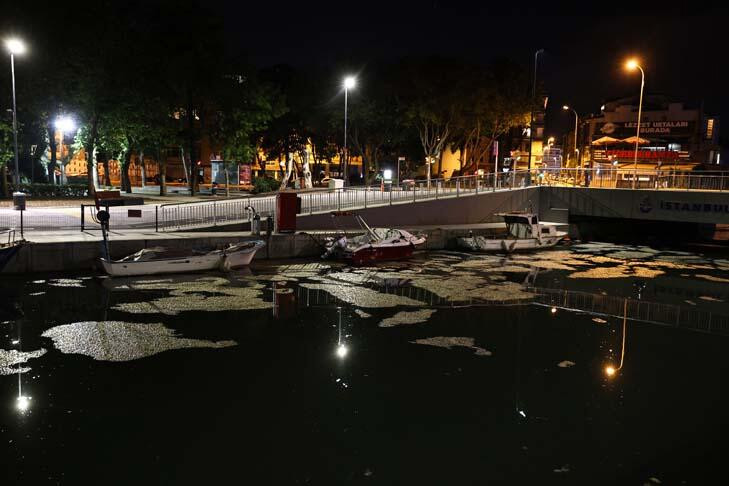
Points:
[[362, 314], [712, 278], [708, 298], [12, 357], [449, 342], [122, 341], [65, 282], [566, 364], [407, 317], [195, 295], [620, 271]]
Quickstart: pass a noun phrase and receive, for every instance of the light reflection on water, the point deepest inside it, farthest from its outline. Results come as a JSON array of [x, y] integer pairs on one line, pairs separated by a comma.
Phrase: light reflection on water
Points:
[[424, 355]]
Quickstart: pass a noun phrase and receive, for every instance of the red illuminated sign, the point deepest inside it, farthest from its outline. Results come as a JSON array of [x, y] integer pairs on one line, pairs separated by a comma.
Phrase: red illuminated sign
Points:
[[643, 154]]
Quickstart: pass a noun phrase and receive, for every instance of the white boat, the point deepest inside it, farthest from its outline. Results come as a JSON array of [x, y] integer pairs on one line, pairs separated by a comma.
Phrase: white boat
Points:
[[241, 254], [156, 260], [524, 233], [375, 245]]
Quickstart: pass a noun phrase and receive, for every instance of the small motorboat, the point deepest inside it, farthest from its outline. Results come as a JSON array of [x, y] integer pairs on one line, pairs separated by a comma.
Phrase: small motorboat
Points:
[[156, 260], [375, 245], [524, 233], [9, 246]]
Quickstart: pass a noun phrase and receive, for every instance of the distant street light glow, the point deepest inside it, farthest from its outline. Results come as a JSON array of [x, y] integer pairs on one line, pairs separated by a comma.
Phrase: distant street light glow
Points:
[[342, 351], [609, 370], [65, 124], [15, 46], [631, 64], [349, 82]]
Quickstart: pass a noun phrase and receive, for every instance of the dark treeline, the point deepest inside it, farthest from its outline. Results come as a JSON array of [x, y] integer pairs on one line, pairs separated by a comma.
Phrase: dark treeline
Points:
[[137, 79]]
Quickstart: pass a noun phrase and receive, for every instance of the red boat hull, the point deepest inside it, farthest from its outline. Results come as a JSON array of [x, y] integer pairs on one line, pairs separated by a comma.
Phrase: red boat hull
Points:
[[376, 254]]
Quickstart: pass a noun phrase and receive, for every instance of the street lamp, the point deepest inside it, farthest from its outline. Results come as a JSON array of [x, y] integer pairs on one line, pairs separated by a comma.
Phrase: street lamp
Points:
[[15, 46], [577, 151], [349, 83], [531, 116], [631, 65], [64, 124]]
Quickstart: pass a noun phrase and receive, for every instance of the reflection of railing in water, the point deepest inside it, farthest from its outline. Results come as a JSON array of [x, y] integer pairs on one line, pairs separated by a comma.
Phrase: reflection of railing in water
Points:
[[315, 297], [637, 310], [591, 303]]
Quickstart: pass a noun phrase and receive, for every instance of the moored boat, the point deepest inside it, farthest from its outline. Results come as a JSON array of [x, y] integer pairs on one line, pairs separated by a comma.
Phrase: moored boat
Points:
[[157, 260], [375, 245], [524, 233]]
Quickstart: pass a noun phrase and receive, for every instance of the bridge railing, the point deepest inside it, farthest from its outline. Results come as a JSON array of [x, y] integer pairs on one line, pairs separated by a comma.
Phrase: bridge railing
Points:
[[622, 178], [175, 216]]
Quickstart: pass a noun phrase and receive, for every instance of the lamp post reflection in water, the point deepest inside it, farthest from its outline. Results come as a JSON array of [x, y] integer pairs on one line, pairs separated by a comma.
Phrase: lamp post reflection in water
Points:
[[342, 349], [609, 369], [22, 403]]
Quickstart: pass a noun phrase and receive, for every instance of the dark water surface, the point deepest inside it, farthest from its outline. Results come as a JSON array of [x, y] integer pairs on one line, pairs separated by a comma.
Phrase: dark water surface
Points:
[[448, 369]]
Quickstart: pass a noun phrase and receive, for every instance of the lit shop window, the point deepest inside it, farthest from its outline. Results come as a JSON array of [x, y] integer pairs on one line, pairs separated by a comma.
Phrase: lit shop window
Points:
[[710, 128]]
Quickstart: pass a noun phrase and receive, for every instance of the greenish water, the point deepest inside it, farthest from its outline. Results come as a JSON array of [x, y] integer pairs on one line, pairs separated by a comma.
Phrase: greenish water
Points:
[[446, 369]]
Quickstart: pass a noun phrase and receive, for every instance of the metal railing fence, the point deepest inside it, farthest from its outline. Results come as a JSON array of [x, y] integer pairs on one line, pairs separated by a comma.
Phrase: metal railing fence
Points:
[[174, 216]]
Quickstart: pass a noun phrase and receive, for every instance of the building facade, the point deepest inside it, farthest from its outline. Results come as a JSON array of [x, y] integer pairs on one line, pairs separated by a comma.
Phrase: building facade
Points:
[[673, 133]]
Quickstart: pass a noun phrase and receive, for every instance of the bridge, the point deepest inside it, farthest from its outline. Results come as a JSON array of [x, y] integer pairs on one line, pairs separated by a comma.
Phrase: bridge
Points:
[[560, 195]]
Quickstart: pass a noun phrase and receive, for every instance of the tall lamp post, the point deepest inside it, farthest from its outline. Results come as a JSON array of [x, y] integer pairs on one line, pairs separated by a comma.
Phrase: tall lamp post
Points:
[[577, 150], [631, 65], [15, 46], [531, 117], [349, 83], [64, 124]]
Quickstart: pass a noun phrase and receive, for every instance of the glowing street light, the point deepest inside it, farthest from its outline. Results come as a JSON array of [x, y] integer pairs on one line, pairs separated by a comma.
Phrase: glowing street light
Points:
[[349, 83], [342, 350], [577, 117], [631, 65], [65, 124], [15, 46]]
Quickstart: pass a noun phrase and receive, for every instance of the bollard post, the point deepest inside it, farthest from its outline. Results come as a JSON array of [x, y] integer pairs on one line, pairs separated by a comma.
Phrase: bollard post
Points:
[[82, 218], [156, 219]]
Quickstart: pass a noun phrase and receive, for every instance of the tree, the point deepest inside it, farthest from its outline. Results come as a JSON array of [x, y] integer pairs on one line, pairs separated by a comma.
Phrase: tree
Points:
[[429, 101], [6, 154], [244, 107], [376, 126], [496, 100]]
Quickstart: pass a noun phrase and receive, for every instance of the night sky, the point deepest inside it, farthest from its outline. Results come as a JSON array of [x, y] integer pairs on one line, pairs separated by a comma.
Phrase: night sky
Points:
[[585, 45], [682, 49]]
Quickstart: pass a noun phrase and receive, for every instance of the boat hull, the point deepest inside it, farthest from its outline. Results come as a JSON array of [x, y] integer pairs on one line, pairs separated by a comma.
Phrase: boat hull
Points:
[[508, 245], [374, 254], [243, 258], [197, 263]]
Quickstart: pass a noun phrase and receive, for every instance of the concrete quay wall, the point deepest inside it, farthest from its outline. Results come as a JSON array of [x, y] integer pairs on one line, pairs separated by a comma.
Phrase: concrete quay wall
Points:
[[83, 253]]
